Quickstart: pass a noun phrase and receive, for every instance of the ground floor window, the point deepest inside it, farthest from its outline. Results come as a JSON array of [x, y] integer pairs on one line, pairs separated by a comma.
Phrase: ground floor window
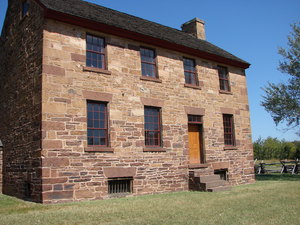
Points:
[[152, 127]]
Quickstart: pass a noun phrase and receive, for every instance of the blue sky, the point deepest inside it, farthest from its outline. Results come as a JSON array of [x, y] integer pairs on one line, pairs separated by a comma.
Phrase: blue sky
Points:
[[252, 30]]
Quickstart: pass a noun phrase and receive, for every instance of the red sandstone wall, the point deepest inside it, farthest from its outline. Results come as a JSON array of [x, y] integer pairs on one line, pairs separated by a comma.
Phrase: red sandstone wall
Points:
[[71, 173], [20, 88]]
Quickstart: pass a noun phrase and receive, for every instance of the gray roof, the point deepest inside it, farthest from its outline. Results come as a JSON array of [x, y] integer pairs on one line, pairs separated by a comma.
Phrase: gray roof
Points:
[[131, 23]]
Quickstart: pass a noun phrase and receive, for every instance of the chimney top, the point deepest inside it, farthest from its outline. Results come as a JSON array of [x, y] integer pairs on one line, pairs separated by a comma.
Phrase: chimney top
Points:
[[195, 27]]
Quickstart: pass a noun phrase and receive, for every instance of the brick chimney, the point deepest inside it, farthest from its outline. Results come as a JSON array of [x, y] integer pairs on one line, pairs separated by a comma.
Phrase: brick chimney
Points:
[[195, 27]]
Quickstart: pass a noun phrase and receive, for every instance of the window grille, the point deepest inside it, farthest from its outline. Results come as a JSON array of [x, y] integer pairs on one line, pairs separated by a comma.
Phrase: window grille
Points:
[[152, 127], [228, 130], [190, 71], [95, 52], [223, 78], [120, 185], [97, 126], [148, 62]]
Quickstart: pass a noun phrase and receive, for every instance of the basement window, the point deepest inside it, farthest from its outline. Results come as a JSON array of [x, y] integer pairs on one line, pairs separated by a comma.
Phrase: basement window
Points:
[[120, 185], [27, 190], [223, 173]]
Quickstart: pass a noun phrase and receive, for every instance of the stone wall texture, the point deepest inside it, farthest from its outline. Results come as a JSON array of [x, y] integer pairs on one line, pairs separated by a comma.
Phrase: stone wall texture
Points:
[[1, 174], [71, 172], [45, 87], [20, 101]]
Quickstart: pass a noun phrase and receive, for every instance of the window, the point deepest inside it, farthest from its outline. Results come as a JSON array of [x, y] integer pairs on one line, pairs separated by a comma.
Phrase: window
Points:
[[148, 62], [223, 78], [120, 185], [190, 71], [95, 52], [228, 130], [25, 8], [152, 127], [223, 173], [196, 119], [97, 124]]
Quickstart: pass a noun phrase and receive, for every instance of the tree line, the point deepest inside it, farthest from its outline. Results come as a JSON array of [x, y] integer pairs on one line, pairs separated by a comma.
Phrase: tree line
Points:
[[272, 148]]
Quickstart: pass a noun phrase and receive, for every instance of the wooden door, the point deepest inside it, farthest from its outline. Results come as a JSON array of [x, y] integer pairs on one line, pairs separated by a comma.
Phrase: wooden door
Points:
[[194, 144]]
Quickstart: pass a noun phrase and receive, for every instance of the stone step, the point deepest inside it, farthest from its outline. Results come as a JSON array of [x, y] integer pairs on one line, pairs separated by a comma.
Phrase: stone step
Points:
[[209, 178], [212, 184], [217, 189]]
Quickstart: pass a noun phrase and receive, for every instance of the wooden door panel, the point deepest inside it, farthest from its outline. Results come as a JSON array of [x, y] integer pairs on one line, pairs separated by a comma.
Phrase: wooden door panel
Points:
[[194, 144]]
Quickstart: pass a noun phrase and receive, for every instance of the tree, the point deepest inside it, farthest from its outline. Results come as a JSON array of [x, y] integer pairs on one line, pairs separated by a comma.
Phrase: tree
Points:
[[282, 100]]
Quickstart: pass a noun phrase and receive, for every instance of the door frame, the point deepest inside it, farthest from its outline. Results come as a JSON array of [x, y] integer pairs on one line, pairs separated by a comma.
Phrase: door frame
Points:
[[198, 120]]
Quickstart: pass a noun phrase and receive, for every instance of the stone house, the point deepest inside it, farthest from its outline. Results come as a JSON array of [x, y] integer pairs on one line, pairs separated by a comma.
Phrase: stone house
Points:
[[96, 103]]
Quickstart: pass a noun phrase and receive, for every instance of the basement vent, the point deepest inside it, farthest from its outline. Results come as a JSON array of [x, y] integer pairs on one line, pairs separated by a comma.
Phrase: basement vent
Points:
[[223, 173], [27, 190], [120, 185]]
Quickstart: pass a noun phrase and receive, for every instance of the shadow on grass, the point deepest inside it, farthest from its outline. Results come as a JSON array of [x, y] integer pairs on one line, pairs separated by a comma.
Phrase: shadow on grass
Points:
[[277, 177]]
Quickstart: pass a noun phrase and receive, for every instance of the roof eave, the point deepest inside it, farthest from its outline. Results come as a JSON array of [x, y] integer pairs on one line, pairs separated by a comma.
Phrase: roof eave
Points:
[[105, 28]]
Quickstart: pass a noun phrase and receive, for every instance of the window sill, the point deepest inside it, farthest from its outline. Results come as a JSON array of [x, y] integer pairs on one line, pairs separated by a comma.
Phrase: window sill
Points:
[[225, 92], [96, 70], [230, 148], [192, 86], [153, 79], [98, 149], [154, 149]]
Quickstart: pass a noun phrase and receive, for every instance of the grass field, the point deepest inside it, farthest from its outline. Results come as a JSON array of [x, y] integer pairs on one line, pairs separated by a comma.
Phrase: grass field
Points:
[[273, 199]]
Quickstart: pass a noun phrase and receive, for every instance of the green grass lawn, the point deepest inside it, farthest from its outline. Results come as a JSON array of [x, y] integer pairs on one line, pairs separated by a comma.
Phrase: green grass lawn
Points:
[[273, 199]]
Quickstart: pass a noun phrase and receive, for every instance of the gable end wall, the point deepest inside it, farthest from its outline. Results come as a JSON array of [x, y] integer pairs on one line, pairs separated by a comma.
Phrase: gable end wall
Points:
[[20, 97]]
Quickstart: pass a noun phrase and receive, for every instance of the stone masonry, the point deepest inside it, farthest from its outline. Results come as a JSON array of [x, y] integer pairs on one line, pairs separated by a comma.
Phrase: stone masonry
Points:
[[1, 175], [20, 97], [44, 105]]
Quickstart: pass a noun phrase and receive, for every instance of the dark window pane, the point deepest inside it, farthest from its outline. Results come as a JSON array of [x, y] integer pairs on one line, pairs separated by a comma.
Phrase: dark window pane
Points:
[[96, 141], [96, 115], [102, 124], [148, 70], [97, 124], [97, 133], [90, 123], [90, 141], [103, 141]]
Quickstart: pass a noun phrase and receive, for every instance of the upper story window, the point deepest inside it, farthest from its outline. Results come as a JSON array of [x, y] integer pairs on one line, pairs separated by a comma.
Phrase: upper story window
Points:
[[95, 51], [228, 130], [152, 127], [148, 62], [223, 78], [97, 127], [25, 8], [190, 71]]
